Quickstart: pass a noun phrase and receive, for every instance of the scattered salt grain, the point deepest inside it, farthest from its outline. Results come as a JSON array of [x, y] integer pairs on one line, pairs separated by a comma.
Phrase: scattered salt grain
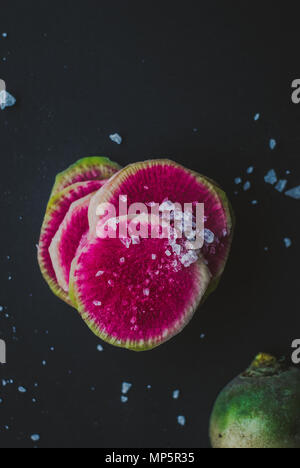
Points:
[[254, 202], [22, 390], [146, 292], [287, 242], [271, 177], [176, 394], [294, 193], [250, 170], [272, 144], [4, 34], [247, 186], [154, 257], [100, 273], [237, 180], [97, 303], [209, 236], [256, 117], [6, 100], [126, 387], [99, 348], [135, 240], [35, 438], [181, 420], [124, 399], [116, 138], [126, 242]]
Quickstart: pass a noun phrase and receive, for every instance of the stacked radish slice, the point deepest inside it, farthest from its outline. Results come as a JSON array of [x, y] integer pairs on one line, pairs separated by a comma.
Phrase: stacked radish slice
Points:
[[135, 292]]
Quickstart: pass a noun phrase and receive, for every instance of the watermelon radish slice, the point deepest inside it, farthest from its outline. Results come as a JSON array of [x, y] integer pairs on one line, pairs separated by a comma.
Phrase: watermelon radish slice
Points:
[[92, 168], [134, 293], [56, 211], [68, 239], [160, 180]]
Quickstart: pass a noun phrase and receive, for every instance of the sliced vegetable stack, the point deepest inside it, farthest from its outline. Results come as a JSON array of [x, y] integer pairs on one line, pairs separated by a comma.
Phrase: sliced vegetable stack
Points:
[[134, 291]]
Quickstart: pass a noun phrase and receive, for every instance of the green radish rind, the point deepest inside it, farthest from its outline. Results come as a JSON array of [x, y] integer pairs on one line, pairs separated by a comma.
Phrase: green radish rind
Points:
[[90, 168], [55, 214], [259, 409]]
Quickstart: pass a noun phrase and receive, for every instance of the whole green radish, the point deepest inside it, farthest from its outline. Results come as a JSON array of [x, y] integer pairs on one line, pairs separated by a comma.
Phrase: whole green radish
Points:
[[260, 408]]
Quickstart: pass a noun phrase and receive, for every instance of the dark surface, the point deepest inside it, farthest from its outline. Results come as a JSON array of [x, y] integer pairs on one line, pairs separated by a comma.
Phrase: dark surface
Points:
[[153, 71]]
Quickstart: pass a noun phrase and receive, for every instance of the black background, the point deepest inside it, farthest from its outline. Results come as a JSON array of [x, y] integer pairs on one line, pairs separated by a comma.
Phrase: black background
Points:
[[152, 71]]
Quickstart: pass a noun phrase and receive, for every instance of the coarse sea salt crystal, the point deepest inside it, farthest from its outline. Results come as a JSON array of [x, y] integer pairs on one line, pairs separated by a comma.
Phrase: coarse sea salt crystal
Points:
[[99, 273], [181, 420], [167, 206], [116, 138], [176, 394], [154, 257], [287, 242], [146, 292], [126, 386], [6, 100], [294, 193], [209, 236], [280, 186], [271, 177], [189, 258]]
